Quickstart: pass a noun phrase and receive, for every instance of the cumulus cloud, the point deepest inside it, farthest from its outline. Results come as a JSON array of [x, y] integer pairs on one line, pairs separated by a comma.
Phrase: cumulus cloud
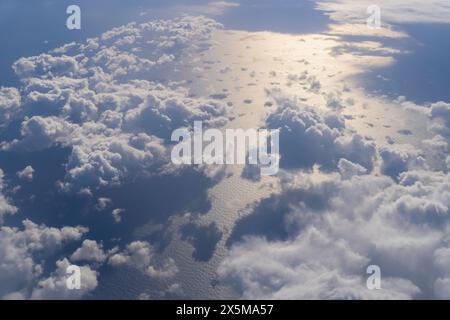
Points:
[[440, 115], [105, 102], [348, 169], [22, 250], [26, 174], [90, 251], [109, 103], [141, 255], [54, 287], [399, 158], [312, 266], [434, 148], [99, 99], [317, 237], [309, 136], [9, 104], [117, 215], [99, 156], [103, 203], [130, 50]]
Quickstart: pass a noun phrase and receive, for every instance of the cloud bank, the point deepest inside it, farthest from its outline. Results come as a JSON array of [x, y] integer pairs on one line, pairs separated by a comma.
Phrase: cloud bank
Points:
[[387, 206], [101, 100]]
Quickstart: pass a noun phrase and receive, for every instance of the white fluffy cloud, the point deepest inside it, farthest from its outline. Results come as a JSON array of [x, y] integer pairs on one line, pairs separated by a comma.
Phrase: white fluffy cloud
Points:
[[310, 136], [26, 174], [313, 266], [21, 251], [107, 102], [399, 158], [55, 286], [141, 255], [104, 101], [99, 99], [5, 204], [440, 114], [326, 249], [90, 251], [117, 215], [316, 237], [9, 104], [130, 50]]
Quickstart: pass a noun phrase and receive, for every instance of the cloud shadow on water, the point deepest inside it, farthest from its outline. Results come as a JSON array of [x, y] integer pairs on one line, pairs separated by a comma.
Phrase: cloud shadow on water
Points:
[[203, 238], [269, 217]]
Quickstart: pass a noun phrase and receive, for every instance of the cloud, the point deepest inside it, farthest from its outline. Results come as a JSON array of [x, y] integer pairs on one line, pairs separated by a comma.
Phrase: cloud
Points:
[[99, 157], [54, 287], [103, 203], [141, 255], [26, 174], [22, 251], [436, 151], [129, 51], [5, 204], [82, 98], [439, 113], [354, 28], [105, 101], [10, 101], [348, 169], [392, 12], [441, 110], [313, 266], [116, 213], [215, 8], [315, 239], [90, 251], [310, 136], [399, 158]]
